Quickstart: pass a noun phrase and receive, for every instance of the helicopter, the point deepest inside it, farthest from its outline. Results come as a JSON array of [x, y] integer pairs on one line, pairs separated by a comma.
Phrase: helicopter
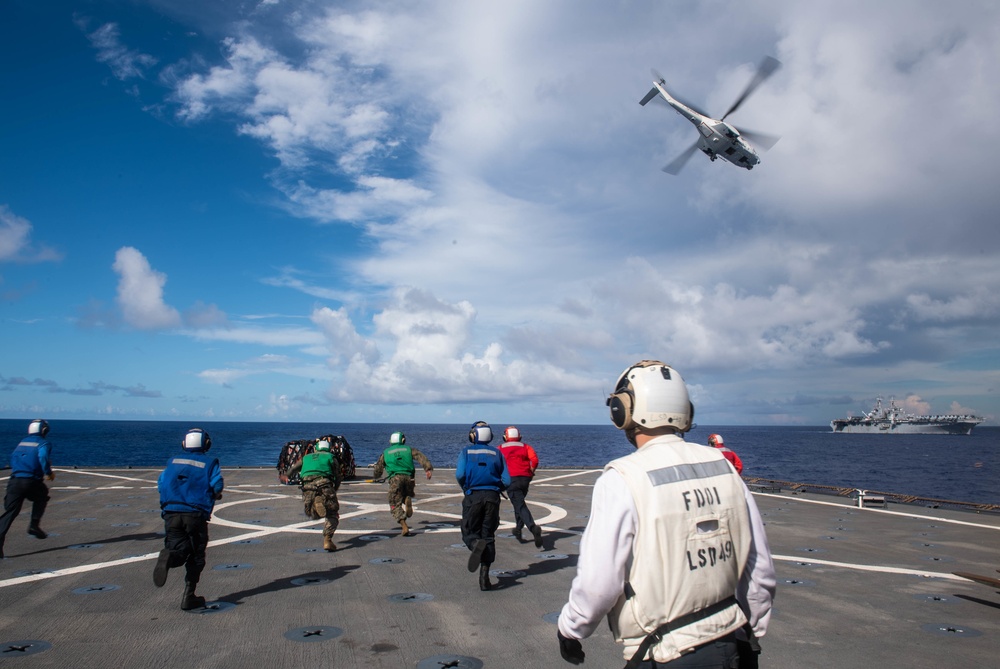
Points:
[[718, 139]]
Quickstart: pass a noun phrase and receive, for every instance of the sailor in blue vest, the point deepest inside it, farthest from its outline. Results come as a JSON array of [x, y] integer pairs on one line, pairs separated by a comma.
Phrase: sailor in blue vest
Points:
[[29, 465], [482, 473], [189, 487]]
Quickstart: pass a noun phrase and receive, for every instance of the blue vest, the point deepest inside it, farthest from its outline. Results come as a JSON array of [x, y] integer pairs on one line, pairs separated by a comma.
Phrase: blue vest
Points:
[[484, 468], [30, 459], [186, 484]]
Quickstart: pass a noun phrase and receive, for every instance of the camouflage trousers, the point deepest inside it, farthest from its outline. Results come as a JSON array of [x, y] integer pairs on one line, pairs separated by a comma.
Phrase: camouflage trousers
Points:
[[319, 500], [401, 486]]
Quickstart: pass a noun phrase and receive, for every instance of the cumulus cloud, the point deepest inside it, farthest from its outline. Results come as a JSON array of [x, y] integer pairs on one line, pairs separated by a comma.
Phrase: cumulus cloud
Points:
[[520, 240], [140, 292], [430, 358]]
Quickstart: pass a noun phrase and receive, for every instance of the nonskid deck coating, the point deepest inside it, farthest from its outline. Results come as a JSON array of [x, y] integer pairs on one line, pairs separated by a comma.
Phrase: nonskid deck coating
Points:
[[856, 587]]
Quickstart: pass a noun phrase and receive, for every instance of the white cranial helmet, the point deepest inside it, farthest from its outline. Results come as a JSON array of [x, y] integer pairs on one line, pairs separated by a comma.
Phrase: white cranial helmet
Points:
[[651, 394], [197, 441]]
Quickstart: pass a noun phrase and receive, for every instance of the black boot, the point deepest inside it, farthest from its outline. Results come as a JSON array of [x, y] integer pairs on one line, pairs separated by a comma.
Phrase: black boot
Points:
[[161, 567], [476, 554], [517, 535], [190, 600], [35, 531], [536, 531], [484, 577]]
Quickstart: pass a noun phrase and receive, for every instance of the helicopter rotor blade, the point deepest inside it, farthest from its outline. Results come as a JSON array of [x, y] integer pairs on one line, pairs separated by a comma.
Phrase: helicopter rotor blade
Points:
[[765, 70], [759, 140], [678, 163]]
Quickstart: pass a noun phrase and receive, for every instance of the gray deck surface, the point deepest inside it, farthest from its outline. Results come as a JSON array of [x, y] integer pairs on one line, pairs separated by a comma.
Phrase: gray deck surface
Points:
[[856, 587]]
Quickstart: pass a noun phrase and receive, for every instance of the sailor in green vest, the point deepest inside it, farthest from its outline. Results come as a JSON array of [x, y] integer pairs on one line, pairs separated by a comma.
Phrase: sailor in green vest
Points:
[[320, 475], [397, 463]]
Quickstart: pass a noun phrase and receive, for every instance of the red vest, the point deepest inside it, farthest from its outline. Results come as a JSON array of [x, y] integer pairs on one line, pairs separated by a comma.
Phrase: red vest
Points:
[[521, 458]]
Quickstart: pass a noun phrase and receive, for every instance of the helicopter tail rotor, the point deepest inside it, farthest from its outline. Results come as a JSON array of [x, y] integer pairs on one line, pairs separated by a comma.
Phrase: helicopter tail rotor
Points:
[[653, 92], [678, 163], [765, 70]]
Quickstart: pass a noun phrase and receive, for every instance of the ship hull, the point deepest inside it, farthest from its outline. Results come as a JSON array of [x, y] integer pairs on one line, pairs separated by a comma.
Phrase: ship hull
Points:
[[867, 427]]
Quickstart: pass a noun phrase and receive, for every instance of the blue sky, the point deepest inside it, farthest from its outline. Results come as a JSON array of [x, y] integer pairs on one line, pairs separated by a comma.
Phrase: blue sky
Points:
[[444, 211]]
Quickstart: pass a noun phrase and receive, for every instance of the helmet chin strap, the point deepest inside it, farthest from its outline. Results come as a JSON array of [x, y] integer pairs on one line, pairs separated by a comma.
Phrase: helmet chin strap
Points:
[[630, 435]]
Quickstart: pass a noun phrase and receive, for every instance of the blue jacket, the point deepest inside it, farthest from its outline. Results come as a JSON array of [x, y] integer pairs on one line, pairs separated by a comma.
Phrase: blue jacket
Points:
[[190, 484], [30, 460], [481, 467]]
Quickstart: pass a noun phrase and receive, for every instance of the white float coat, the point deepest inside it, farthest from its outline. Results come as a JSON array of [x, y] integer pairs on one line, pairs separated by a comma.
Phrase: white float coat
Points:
[[606, 552]]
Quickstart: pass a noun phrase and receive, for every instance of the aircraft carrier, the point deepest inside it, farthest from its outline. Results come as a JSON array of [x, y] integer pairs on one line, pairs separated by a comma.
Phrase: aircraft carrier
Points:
[[893, 420], [858, 586]]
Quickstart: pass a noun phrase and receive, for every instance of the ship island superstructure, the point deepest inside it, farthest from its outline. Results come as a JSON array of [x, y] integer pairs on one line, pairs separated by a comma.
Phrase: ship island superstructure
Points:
[[892, 419]]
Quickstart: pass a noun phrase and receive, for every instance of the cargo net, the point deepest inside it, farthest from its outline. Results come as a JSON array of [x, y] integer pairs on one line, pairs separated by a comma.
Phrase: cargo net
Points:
[[294, 450]]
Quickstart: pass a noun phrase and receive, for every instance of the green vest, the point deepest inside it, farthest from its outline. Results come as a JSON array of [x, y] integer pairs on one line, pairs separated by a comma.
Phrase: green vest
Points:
[[398, 460], [319, 464]]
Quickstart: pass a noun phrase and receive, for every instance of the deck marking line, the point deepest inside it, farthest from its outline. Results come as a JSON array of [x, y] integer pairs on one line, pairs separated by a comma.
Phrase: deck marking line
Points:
[[869, 567], [892, 513]]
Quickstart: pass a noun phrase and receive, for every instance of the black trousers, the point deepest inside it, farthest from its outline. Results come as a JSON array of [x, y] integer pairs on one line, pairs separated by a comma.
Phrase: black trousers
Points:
[[186, 540], [517, 491], [18, 490], [480, 520], [719, 654]]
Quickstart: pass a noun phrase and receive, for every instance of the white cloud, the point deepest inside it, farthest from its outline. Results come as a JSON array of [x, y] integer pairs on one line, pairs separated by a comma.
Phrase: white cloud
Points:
[[15, 240], [342, 339], [430, 358], [125, 63], [140, 292], [204, 316], [14, 234], [519, 240], [268, 336], [223, 377], [223, 85]]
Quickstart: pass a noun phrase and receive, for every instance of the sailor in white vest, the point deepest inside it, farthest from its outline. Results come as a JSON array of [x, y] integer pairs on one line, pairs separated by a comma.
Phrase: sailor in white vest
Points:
[[674, 553]]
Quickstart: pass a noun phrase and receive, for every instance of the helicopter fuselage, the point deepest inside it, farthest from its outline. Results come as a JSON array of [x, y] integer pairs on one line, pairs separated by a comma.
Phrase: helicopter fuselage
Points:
[[717, 139]]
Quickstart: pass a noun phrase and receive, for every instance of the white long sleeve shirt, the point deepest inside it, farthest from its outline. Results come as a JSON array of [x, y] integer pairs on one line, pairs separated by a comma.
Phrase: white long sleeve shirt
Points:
[[606, 555]]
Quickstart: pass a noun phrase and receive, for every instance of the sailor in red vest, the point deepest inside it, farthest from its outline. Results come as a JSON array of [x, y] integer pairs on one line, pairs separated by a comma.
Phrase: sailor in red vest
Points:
[[675, 554], [522, 461], [715, 440]]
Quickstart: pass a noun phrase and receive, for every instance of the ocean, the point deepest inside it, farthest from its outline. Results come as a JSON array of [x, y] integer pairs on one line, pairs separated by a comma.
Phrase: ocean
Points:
[[958, 468]]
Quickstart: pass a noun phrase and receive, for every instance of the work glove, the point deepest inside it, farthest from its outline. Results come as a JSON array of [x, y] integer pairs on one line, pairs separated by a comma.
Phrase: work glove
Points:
[[51, 477], [570, 649]]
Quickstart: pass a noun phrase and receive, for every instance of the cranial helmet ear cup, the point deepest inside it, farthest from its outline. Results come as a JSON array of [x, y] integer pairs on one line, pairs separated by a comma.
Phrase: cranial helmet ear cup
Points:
[[621, 409], [691, 414]]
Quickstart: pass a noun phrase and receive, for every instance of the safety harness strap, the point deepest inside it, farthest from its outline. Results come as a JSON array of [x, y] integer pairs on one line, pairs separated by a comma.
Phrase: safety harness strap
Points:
[[676, 623]]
